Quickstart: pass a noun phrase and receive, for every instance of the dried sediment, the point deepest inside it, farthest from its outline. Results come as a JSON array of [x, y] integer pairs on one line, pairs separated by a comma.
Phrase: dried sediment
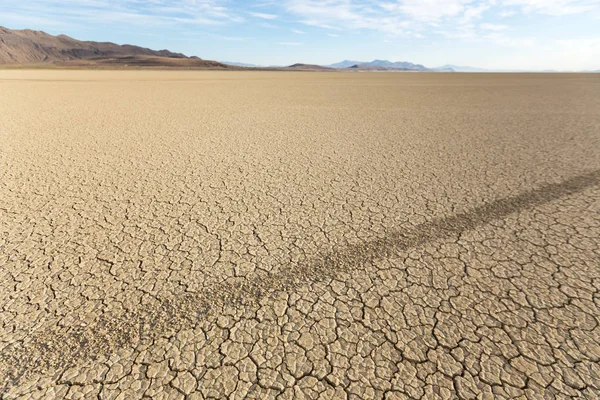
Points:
[[198, 235]]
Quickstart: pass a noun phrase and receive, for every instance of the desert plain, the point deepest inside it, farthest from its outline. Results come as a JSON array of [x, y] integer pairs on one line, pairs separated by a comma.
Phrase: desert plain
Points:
[[201, 234]]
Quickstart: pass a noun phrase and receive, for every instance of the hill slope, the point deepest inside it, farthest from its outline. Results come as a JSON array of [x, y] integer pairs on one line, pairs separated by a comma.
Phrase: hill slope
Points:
[[33, 47], [307, 67]]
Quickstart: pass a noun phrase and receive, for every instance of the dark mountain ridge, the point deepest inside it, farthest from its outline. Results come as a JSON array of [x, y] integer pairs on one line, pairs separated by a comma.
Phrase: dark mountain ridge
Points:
[[380, 64], [29, 47]]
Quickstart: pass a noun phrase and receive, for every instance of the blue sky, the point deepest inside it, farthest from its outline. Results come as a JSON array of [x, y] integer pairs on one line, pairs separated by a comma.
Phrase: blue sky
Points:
[[529, 34]]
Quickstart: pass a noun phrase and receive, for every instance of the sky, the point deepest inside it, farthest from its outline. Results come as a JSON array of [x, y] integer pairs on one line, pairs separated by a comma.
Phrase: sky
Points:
[[493, 34]]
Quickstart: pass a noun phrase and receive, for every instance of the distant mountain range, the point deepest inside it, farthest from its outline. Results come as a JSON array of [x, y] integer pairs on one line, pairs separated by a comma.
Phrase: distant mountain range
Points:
[[385, 65], [360, 65], [241, 64], [35, 47], [24, 47], [459, 68], [402, 65]]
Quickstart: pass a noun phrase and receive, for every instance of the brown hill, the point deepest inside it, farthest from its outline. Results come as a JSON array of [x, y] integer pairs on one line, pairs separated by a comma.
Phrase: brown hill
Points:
[[308, 67], [33, 47], [144, 61]]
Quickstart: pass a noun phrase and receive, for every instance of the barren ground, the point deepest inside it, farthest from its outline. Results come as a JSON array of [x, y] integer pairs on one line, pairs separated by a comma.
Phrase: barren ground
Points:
[[278, 235]]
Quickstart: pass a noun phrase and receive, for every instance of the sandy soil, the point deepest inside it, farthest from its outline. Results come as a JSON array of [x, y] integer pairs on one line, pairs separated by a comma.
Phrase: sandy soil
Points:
[[252, 234]]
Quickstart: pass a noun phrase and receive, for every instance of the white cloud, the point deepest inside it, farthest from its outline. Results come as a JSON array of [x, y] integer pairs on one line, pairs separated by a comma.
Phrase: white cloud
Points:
[[554, 7], [290, 43], [579, 53], [145, 13], [231, 38], [333, 35], [428, 10], [345, 14], [263, 15], [572, 54], [298, 31], [474, 12], [396, 17], [407, 17], [493, 27], [502, 40]]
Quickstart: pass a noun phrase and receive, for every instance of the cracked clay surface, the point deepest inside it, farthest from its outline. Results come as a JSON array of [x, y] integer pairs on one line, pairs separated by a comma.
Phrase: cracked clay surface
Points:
[[200, 235]]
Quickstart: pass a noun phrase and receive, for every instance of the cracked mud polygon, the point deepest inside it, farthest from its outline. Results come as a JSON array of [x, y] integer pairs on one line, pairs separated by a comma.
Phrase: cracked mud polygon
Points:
[[197, 235]]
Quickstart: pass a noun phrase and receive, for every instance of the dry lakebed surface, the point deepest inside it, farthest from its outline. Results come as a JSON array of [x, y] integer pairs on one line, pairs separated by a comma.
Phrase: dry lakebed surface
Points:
[[196, 235]]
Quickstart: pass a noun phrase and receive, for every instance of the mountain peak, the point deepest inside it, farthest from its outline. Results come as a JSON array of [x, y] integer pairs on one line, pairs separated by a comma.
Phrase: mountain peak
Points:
[[399, 65], [31, 47]]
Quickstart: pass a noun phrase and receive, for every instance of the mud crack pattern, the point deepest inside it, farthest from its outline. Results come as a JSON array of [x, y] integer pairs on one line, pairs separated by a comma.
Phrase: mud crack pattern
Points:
[[190, 235]]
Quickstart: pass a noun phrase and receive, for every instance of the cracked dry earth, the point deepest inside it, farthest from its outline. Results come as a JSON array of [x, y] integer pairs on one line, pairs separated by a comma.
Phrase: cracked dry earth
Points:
[[196, 235]]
